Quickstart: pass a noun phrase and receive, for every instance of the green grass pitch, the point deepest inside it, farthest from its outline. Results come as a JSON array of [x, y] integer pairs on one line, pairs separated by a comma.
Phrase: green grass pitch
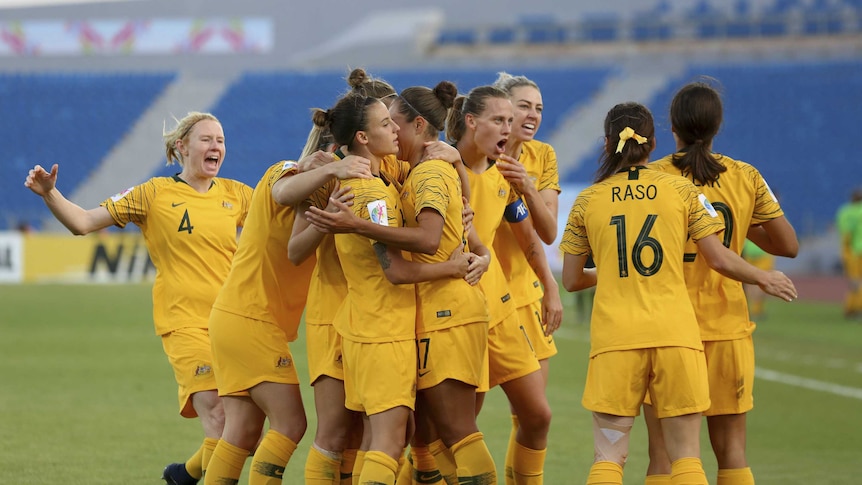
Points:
[[87, 395]]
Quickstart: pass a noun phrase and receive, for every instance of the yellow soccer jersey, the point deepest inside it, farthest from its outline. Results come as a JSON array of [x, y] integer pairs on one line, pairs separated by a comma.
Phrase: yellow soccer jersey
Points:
[[635, 224], [540, 160], [490, 195], [375, 309], [263, 284], [434, 184], [394, 171], [327, 280], [742, 198], [191, 238]]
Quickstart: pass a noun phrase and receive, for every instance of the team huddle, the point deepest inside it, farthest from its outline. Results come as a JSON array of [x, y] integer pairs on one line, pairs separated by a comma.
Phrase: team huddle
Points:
[[420, 270]]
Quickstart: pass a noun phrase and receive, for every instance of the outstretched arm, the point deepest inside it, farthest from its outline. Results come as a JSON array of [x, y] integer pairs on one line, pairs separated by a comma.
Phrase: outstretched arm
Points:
[[78, 220], [730, 264]]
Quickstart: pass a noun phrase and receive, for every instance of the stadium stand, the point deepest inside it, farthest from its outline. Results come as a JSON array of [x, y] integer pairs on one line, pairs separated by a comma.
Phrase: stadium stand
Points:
[[669, 21], [796, 60], [785, 118], [266, 121], [67, 118]]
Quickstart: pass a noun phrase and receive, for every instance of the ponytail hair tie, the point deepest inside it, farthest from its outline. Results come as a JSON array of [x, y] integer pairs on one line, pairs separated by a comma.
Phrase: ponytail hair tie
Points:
[[627, 134]]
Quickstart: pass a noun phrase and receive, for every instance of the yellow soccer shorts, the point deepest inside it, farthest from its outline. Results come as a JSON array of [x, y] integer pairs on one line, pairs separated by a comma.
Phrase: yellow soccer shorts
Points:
[[247, 352], [730, 365], [675, 378], [323, 346], [451, 353], [190, 355], [379, 376], [510, 354], [530, 317]]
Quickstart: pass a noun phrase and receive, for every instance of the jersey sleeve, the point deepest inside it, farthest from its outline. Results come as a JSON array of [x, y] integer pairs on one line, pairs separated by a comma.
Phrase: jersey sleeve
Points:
[[431, 190], [575, 239], [766, 205], [245, 195], [550, 177], [288, 167], [703, 219], [132, 204]]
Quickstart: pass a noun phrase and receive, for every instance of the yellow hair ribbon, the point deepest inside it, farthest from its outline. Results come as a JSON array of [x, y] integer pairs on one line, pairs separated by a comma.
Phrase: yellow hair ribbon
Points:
[[626, 135]]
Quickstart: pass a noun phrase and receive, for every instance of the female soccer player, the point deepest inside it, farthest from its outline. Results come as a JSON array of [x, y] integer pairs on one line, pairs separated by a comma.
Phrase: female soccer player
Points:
[[254, 317], [643, 331], [479, 126], [452, 324], [531, 167], [749, 208], [379, 352], [189, 222], [339, 430], [433, 192], [333, 447]]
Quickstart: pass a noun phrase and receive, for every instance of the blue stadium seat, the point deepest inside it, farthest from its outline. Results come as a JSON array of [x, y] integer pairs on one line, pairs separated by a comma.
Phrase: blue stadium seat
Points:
[[461, 36], [784, 6], [796, 140], [266, 116], [601, 27], [823, 17], [502, 35], [547, 34], [798, 146], [772, 26], [740, 27], [70, 119], [649, 28], [541, 28]]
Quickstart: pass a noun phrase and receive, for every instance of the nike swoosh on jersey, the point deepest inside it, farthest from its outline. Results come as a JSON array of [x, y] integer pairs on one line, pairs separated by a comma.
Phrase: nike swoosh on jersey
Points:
[[177, 204]]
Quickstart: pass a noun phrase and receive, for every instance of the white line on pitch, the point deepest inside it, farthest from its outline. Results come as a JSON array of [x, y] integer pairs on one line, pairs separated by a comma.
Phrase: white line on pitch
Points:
[[804, 382]]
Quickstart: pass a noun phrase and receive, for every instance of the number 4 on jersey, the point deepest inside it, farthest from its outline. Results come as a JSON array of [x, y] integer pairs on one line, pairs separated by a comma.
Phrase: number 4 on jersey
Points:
[[186, 223]]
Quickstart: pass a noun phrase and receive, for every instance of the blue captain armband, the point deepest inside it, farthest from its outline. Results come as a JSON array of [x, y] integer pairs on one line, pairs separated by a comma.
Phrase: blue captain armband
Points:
[[516, 211]]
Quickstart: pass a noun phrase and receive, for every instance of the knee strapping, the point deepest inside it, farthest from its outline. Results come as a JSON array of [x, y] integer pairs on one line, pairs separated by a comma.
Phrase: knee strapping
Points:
[[611, 437]]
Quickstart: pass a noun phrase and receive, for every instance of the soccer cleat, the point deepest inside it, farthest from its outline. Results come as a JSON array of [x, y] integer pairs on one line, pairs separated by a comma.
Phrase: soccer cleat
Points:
[[176, 474]]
